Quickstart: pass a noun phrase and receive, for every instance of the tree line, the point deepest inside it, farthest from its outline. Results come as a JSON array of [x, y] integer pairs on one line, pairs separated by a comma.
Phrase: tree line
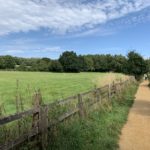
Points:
[[69, 61]]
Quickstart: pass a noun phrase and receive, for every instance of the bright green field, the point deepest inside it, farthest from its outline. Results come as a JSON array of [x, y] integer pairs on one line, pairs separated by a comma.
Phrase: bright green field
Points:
[[53, 86]]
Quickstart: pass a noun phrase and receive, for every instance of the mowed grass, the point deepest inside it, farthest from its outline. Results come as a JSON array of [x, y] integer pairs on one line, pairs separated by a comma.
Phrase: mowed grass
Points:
[[53, 86]]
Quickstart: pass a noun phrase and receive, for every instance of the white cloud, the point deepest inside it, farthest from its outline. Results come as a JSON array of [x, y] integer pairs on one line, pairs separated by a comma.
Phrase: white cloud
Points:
[[62, 16], [22, 50], [13, 51], [23, 47], [96, 32]]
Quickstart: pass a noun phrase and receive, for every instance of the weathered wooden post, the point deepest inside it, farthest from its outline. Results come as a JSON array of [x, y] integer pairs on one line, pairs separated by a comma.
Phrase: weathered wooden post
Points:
[[109, 91], [114, 87], [97, 95], [117, 89], [82, 111], [36, 106], [18, 106], [43, 126], [35, 118], [120, 84], [40, 120]]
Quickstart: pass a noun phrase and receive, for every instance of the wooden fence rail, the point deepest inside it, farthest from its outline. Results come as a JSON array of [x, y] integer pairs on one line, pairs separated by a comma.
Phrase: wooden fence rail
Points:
[[42, 117]]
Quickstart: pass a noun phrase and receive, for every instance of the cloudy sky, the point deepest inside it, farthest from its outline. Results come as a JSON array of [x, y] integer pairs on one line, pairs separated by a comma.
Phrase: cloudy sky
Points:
[[46, 28]]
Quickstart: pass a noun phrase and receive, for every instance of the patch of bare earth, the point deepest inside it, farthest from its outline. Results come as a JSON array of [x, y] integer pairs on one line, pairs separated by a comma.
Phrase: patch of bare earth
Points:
[[136, 132]]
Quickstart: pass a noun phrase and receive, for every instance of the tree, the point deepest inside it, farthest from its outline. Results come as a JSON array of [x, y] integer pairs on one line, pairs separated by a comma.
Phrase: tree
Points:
[[55, 66], [136, 64], [9, 62], [21, 67], [119, 63], [133, 64], [70, 62], [2, 63], [101, 63], [43, 65], [47, 60], [86, 63], [148, 65]]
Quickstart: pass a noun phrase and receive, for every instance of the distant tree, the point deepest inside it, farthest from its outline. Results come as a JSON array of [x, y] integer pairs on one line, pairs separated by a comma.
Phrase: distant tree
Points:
[[2, 61], [9, 62], [18, 60], [101, 63], [43, 65], [47, 60], [133, 64], [119, 63], [55, 66], [136, 64], [81, 62], [70, 62], [109, 62], [21, 67], [148, 65], [86, 63], [89, 64]]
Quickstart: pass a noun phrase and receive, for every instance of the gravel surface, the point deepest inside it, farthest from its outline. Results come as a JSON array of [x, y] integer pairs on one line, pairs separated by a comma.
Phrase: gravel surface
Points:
[[136, 132]]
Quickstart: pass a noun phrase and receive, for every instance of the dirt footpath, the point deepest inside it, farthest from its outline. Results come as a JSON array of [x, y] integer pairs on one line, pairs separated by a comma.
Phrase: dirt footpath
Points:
[[136, 133]]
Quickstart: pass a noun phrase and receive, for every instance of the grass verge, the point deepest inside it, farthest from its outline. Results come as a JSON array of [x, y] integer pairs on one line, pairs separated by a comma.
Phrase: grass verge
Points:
[[100, 130]]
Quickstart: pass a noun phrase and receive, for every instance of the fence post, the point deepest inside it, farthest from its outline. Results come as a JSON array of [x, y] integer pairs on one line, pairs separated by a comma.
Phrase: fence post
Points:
[[36, 114], [40, 120], [109, 91], [114, 88], [82, 111], [98, 95], [120, 84], [43, 126]]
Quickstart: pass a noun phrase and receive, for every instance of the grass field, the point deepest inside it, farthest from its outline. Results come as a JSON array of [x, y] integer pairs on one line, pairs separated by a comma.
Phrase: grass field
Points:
[[53, 86]]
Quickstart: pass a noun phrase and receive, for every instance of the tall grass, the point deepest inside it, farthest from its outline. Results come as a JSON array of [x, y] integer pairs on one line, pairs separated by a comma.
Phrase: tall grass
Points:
[[99, 131]]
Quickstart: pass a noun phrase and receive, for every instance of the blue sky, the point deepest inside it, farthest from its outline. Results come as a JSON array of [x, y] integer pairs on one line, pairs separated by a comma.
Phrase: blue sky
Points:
[[46, 28]]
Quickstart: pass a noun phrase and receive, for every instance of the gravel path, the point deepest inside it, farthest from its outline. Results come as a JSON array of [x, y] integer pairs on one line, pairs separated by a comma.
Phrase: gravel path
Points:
[[136, 132]]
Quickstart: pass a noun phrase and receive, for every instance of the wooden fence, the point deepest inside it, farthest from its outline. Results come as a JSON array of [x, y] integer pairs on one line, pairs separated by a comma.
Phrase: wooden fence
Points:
[[35, 123]]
